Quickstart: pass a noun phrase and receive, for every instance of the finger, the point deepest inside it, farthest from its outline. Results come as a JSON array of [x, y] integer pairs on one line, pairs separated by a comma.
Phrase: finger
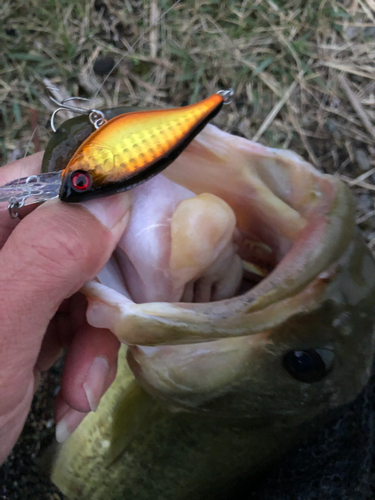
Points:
[[90, 367], [70, 317], [47, 258], [67, 418], [11, 423], [52, 346]]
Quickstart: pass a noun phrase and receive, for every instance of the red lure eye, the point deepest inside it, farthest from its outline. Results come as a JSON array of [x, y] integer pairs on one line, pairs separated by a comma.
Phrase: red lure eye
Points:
[[81, 181]]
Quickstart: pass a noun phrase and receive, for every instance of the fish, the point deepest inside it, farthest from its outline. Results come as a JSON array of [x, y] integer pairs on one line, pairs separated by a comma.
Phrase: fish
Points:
[[243, 294]]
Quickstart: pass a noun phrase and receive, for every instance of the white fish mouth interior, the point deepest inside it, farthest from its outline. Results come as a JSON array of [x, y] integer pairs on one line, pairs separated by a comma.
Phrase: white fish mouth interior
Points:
[[258, 264], [258, 203]]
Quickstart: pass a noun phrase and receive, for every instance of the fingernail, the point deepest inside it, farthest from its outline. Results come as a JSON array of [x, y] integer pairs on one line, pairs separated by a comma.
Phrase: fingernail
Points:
[[109, 211], [68, 424], [94, 384]]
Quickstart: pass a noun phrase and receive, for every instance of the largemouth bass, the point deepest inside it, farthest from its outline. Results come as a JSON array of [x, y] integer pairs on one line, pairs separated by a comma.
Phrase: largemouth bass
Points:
[[245, 296]]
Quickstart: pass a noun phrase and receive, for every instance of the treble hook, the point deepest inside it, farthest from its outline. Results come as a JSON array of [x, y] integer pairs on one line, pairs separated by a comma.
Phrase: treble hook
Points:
[[13, 207], [226, 95], [96, 116]]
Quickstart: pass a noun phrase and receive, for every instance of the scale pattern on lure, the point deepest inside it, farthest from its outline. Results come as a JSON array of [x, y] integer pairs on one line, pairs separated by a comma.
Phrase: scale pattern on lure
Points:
[[133, 147], [120, 154]]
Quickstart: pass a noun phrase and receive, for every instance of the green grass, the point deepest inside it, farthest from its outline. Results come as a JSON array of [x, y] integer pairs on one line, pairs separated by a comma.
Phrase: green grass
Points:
[[259, 47]]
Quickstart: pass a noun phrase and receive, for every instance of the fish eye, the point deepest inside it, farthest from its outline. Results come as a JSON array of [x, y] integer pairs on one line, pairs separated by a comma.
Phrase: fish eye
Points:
[[80, 181], [310, 365]]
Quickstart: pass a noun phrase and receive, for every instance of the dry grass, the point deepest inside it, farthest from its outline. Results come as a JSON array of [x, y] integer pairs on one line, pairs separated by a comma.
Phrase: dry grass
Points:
[[304, 72]]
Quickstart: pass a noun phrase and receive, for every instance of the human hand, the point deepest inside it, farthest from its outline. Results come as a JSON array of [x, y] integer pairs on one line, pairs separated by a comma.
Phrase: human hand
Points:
[[44, 260]]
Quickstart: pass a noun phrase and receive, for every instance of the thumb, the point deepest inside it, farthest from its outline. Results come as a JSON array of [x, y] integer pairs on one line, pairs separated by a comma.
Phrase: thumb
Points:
[[47, 258]]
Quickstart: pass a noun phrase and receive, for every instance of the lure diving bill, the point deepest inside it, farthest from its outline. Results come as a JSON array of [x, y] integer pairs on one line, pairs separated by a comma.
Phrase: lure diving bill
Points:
[[121, 153]]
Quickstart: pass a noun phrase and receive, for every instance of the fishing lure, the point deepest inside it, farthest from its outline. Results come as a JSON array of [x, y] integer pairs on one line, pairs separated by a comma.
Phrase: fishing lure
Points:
[[115, 155]]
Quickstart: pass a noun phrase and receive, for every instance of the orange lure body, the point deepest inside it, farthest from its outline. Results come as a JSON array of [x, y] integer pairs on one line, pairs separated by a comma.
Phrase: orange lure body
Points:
[[131, 148]]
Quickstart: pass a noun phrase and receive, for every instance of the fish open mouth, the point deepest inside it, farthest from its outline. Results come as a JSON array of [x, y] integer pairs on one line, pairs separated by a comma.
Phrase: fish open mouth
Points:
[[231, 226], [230, 285]]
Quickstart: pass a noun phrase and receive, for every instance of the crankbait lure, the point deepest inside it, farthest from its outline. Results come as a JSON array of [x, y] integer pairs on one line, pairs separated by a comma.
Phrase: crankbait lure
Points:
[[119, 154]]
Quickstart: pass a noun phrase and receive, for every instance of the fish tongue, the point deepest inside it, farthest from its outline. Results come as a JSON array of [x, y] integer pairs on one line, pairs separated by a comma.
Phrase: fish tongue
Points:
[[177, 246]]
